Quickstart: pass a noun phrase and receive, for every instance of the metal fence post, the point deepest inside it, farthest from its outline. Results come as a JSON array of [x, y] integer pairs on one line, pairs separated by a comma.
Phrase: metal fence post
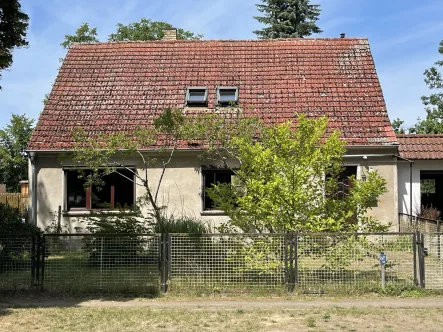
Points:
[[296, 259], [421, 259], [164, 261], [291, 264], [423, 274], [414, 252], [42, 240], [286, 258], [438, 239], [38, 253], [33, 260]]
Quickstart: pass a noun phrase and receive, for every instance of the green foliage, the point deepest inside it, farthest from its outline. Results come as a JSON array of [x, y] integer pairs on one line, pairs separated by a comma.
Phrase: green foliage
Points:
[[280, 183], [147, 29], [13, 26], [397, 126], [14, 139], [117, 236], [105, 153], [185, 224], [14, 232], [288, 19], [84, 34], [433, 123], [12, 223], [260, 255]]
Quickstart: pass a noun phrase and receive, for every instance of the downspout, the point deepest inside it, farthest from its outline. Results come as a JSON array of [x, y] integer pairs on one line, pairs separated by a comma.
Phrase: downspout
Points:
[[33, 189], [410, 186]]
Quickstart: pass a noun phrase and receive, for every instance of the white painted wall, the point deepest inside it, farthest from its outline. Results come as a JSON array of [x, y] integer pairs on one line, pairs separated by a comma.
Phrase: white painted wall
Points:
[[181, 189], [404, 193]]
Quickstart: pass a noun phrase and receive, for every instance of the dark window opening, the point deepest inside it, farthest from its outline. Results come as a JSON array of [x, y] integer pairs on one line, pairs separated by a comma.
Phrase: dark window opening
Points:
[[197, 96], [227, 95], [344, 181], [211, 177], [117, 191], [431, 190]]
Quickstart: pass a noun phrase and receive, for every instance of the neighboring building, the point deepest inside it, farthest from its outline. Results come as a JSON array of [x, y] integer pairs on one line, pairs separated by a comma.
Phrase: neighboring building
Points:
[[2, 188], [426, 152], [109, 87]]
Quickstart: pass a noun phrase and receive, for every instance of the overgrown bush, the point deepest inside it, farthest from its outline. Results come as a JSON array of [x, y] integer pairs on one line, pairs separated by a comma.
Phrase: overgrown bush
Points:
[[115, 236], [185, 224], [15, 236]]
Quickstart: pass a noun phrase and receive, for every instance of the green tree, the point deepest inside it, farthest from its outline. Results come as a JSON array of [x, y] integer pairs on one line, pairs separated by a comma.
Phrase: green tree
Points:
[[287, 180], [84, 34], [13, 26], [107, 153], [433, 123], [14, 139], [148, 30], [288, 19], [397, 126]]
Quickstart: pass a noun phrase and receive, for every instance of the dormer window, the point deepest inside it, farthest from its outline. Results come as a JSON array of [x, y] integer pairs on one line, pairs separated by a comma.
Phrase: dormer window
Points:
[[197, 96], [227, 95]]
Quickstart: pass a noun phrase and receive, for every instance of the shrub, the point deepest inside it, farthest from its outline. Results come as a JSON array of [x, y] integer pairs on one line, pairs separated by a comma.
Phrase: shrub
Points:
[[15, 233], [180, 225], [115, 237]]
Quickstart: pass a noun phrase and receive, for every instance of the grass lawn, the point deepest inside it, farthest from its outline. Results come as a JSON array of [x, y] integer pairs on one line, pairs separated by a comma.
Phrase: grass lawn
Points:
[[219, 319]]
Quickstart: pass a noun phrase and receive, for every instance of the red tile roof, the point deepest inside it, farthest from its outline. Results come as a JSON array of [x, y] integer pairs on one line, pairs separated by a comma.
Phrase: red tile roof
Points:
[[420, 146], [116, 86]]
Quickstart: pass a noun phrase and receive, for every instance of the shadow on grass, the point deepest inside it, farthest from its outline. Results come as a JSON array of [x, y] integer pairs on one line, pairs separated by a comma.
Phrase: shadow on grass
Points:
[[51, 299]]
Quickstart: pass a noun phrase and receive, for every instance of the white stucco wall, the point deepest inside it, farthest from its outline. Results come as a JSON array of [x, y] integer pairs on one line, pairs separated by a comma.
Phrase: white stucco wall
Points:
[[181, 189], [404, 191]]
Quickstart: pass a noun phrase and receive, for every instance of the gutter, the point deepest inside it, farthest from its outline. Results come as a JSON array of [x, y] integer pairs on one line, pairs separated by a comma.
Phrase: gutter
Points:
[[31, 156]]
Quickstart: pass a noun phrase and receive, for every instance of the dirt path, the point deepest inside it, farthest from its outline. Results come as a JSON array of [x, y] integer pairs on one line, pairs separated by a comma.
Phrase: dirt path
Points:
[[205, 304]]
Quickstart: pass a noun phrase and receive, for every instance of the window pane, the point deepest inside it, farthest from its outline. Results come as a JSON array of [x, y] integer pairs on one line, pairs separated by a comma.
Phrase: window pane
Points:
[[122, 194], [214, 177], [197, 95], [75, 189], [227, 95], [101, 195], [343, 181], [124, 189]]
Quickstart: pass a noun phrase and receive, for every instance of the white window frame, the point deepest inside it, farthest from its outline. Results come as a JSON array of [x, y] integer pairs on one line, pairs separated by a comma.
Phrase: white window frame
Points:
[[224, 103], [196, 103]]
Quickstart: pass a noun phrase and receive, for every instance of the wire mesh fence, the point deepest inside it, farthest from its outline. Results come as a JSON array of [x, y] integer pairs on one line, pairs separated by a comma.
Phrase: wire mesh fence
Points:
[[222, 261], [351, 261], [433, 244], [408, 223], [142, 264], [79, 264], [16, 260]]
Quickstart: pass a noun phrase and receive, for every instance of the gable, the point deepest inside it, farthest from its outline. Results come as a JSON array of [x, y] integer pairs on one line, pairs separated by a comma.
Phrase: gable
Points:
[[109, 87]]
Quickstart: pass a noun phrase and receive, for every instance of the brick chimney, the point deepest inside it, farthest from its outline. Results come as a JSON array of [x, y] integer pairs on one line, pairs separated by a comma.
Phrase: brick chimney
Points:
[[170, 34]]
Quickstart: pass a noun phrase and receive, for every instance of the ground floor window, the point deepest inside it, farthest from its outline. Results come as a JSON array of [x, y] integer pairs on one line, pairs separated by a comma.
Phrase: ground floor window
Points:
[[117, 191], [211, 177], [431, 192], [345, 182]]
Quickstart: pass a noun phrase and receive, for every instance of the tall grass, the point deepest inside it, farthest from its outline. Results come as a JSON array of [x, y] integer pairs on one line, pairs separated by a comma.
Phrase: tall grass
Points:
[[181, 225]]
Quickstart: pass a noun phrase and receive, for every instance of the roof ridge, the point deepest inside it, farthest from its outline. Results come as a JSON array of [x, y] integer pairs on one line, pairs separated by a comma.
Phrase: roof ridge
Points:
[[418, 135], [276, 40]]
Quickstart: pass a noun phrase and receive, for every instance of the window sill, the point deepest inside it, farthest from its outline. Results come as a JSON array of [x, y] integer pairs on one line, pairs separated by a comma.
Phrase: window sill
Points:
[[77, 213], [213, 213]]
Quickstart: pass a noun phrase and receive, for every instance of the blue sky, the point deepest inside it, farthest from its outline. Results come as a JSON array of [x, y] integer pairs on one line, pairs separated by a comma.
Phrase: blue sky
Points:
[[403, 34]]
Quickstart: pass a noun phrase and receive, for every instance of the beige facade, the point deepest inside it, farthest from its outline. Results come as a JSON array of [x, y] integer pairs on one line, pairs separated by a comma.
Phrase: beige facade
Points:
[[181, 189]]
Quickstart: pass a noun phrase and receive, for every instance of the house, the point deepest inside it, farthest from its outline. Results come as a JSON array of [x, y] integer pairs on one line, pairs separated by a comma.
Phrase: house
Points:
[[426, 172], [109, 87]]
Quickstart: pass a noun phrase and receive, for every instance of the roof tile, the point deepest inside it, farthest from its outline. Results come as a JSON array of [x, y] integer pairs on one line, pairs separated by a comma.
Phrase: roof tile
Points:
[[106, 87], [421, 146]]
